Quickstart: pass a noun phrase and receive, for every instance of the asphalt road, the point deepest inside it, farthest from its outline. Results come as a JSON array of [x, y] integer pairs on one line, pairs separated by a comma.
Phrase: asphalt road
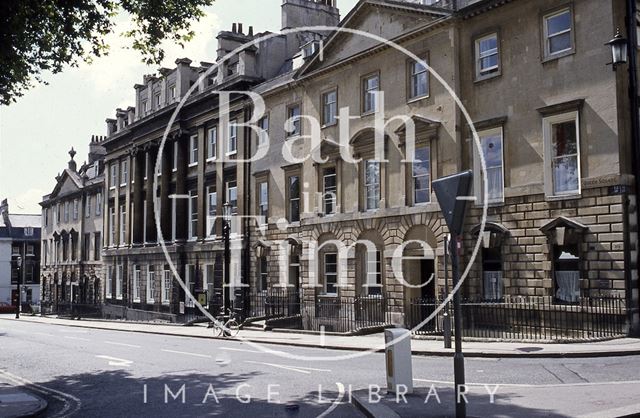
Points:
[[101, 373]]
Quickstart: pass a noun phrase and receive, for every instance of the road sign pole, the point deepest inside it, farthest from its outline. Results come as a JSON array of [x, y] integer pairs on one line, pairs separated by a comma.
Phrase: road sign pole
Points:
[[458, 358]]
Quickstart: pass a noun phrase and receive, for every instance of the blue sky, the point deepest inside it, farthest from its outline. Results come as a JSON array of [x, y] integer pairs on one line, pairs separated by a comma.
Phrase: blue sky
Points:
[[37, 132]]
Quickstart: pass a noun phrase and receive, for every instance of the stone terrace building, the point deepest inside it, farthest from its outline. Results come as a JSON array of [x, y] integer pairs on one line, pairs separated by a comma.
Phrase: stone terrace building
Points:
[[553, 124], [72, 236], [198, 172]]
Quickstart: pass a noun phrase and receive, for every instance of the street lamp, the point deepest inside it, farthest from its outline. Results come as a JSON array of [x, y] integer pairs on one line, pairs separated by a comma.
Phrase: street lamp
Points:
[[619, 50], [18, 287], [226, 234]]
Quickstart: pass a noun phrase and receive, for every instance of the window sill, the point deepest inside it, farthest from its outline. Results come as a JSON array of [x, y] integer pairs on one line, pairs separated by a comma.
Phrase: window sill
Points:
[[481, 78], [417, 99], [558, 55], [211, 160], [192, 165], [571, 196], [110, 188], [118, 297], [136, 300], [368, 113], [123, 184], [149, 301], [329, 125], [166, 303]]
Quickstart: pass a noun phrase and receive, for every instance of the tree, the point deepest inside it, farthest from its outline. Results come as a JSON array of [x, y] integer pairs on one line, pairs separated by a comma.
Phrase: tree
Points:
[[47, 35]]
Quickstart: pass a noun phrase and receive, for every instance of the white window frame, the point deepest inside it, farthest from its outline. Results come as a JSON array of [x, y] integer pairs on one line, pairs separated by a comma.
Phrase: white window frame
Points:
[[263, 203], [136, 283], [151, 275], [123, 225], [189, 282], [119, 273], [112, 226], [416, 69], [109, 284], [174, 159], [329, 108], [193, 215], [76, 209], [263, 135], [166, 287], [114, 176], [367, 186], [294, 122], [232, 138], [292, 199], [158, 100], [483, 73], [414, 177], [124, 173], [367, 92], [325, 281], [333, 191], [193, 150], [211, 218], [547, 36], [174, 221], [87, 207], [373, 283], [212, 143], [478, 177], [172, 92], [99, 204], [547, 124]]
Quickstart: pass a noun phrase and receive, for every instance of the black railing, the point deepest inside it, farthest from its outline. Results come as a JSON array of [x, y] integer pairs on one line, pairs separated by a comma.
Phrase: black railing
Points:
[[274, 303], [526, 318], [74, 310], [344, 314]]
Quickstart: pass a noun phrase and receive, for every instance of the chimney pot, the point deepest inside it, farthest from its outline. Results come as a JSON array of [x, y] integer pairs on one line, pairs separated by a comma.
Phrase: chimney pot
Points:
[[250, 30], [240, 28], [234, 28]]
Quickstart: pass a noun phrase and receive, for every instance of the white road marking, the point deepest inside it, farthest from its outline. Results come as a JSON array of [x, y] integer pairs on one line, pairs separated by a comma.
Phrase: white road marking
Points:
[[115, 361], [77, 338], [299, 369], [242, 350], [335, 403], [44, 334], [187, 353], [65, 398], [122, 344], [524, 385]]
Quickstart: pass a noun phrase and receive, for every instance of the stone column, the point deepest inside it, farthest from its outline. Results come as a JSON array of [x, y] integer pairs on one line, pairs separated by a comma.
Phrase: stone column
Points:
[[151, 156], [181, 189], [201, 188], [165, 185]]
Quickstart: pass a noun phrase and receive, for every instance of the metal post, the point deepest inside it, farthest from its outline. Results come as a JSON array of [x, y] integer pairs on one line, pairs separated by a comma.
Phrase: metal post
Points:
[[18, 287], [458, 358], [446, 320], [226, 229]]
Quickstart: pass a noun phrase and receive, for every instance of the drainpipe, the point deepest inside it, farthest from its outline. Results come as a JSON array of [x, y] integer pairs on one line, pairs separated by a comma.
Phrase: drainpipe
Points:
[[247, 210], [635, 144]]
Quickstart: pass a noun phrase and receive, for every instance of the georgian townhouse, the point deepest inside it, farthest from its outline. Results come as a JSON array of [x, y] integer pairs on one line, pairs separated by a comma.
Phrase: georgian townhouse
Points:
[[200, 170], [72, 236], [553, 124]]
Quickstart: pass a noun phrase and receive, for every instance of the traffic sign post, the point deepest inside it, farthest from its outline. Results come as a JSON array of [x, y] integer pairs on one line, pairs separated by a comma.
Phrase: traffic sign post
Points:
[[453, 194]]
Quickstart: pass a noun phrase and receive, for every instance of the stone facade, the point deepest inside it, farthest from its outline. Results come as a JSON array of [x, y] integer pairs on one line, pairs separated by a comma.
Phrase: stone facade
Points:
[[72, 233]]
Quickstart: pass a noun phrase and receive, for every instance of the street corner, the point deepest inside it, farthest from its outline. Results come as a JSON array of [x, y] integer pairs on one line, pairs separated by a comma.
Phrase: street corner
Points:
[[16, 402]]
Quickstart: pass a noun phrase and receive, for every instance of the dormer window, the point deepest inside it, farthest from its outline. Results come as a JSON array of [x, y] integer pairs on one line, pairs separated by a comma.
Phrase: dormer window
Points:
[[145, 106], [157, 100], [172, 92]]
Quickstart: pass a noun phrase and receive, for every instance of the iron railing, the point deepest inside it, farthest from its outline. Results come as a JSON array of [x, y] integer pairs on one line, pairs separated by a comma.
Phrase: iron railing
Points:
[[523, 318], [75, 310], [274, 303], [344, 314]]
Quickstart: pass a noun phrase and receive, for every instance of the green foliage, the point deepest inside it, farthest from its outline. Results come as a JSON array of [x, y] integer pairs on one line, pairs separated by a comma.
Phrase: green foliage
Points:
[[47, 35]]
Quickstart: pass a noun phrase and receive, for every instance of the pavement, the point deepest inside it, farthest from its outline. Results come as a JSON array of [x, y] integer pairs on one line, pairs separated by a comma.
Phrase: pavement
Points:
[[15, 402], [373, 342]]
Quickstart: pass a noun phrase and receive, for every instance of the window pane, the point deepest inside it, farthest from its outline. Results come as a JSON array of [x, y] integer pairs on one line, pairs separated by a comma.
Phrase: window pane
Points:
[[564, 138], [488, 45], [294, 187], [560, 43], [565, 175], [559, 23]]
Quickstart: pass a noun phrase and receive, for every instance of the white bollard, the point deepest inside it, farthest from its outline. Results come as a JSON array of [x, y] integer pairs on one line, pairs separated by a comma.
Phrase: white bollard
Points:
[[398, 357]]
